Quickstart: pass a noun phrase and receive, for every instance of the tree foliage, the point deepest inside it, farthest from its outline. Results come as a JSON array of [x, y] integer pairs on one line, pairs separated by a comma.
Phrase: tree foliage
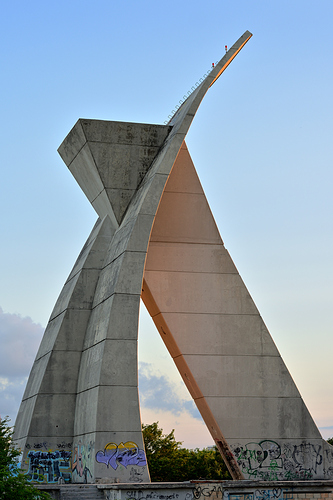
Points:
[[13, 484], [330, 441], [167, 461]]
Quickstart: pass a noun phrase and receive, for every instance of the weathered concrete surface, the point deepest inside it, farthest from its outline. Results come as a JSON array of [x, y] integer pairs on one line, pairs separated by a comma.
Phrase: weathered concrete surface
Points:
[[223, 490], [197, 490], [80, 419], [45, 419]]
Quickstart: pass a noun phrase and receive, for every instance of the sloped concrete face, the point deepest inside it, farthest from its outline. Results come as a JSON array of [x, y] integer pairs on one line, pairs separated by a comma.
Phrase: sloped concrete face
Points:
[[156, 238], [219, 342]]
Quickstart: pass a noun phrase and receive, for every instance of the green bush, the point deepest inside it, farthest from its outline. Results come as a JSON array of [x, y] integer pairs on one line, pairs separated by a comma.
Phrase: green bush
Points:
[[13, 484], [167, 461]]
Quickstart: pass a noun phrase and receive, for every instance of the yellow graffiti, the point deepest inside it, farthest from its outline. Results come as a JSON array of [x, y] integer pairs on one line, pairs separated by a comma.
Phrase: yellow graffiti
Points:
[[129, 445]]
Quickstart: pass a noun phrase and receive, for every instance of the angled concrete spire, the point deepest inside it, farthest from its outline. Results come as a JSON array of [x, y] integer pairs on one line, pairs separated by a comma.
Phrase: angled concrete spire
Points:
[[156, 239]]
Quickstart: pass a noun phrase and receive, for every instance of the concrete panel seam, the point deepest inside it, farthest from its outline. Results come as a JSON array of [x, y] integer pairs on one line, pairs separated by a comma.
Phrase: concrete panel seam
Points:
[[69, 309], [115, 293], [185, 192], [119, 255], [180, 243], [110, 340], [252, 397], [92, 201], [254, 315], [125, 143], [261, 356], [68, 166], [62, 437], [79, 271], [46, 394], [103, 385], [206, 313], [192, 272], [56, 350], [114, 430]]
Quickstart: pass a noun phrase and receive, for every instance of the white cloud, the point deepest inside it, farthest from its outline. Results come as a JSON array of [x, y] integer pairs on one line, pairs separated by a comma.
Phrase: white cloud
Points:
[[158, 392], [165, 401], [19, 340]]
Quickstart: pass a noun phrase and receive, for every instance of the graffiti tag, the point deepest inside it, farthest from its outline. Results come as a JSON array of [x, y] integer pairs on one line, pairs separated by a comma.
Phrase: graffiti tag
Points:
[[80, 463], [121, 454], [266, 461], [49, 466]]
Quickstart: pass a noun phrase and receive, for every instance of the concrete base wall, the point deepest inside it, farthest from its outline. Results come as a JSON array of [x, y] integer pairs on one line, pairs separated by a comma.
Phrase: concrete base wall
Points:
[[200, 490]]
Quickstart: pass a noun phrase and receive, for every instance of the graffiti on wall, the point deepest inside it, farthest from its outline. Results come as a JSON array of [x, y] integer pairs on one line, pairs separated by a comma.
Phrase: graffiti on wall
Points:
[[81, 462], [267, 461], [136, 475], [237, 496], [329, 463], [260, 460], [37, 446], [163, 494], [121, 454], [269, 494], [207, 491], [266, 494], [203, 491], [49, 466], [211, 491]]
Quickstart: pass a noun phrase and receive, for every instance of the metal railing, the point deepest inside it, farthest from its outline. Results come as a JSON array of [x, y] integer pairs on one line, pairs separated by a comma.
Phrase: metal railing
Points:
[[187, 95]]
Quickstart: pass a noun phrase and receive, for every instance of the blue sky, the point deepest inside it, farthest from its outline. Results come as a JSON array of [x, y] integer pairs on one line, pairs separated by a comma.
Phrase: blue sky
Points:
[[261, 143]]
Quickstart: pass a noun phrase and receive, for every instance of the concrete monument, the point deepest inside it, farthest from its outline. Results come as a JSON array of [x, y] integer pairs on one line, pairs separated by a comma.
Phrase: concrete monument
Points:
[[156, 239]]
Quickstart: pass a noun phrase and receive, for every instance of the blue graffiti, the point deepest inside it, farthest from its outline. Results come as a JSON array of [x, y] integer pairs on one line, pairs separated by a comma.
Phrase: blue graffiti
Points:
[[49, 466]]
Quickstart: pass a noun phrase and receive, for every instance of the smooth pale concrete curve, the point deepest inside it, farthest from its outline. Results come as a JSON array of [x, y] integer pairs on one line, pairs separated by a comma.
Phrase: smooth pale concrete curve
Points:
[[79, 419], [220, 344]]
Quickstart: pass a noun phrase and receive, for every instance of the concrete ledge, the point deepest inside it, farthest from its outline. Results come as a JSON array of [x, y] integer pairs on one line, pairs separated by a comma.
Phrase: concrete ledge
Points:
[[196, 490], [234, 485]]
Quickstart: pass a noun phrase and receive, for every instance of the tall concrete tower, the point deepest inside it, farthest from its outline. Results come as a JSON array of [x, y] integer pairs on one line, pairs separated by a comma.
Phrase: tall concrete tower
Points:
[[156, 239]]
